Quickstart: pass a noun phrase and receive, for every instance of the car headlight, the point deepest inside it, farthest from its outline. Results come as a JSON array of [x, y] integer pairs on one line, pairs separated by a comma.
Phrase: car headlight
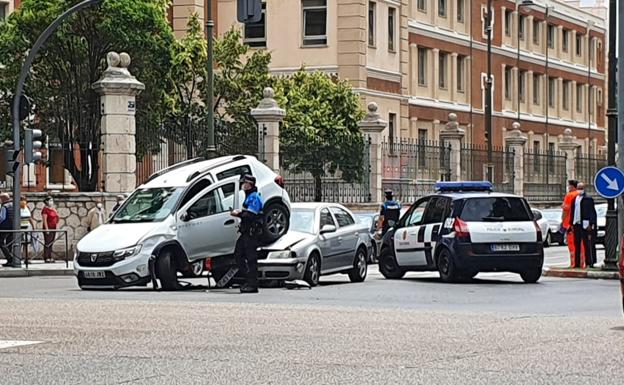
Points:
[[281, 254], [128, 252]]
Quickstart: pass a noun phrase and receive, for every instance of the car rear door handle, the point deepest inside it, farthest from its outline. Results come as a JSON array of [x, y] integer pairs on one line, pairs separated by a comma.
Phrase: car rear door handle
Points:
[[229, 222]]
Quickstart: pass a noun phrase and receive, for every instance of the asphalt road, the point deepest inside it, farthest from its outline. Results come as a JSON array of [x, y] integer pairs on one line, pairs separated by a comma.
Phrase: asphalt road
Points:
[[418, 330]]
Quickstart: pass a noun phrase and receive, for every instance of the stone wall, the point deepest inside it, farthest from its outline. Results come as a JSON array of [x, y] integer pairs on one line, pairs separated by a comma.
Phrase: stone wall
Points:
[[72, 209]]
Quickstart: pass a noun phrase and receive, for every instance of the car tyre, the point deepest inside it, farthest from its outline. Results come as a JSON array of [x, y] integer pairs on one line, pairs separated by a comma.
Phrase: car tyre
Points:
[[312, 272], [548, 239], [531, 276], [446, 266], [276, 222], [197, 269], [360, 266], [166, 271], [388, 266]]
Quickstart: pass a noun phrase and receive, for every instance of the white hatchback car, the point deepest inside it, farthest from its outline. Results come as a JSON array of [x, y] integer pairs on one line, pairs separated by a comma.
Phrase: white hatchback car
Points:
[[177, 219]]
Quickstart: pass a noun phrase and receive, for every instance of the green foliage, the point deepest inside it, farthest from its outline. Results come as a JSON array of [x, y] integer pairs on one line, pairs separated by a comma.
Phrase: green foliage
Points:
[[73, 59]]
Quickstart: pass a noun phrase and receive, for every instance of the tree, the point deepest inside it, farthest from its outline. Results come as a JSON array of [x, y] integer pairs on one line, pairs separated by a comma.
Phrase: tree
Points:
[[73, 59], [320, 133]]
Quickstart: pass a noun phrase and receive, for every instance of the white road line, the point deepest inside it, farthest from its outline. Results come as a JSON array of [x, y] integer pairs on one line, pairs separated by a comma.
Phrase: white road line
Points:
[[5, 344]]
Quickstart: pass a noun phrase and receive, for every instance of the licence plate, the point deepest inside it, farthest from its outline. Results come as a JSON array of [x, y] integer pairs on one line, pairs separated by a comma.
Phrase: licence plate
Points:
[[94, 274], [505, 247]]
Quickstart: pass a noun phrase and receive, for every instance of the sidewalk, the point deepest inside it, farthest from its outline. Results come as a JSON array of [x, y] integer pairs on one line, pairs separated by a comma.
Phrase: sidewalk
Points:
[[557, 266], [37, 268]]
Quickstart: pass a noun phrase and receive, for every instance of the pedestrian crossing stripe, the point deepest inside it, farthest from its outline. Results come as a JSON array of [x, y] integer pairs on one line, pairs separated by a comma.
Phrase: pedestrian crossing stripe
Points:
[[6, 344]]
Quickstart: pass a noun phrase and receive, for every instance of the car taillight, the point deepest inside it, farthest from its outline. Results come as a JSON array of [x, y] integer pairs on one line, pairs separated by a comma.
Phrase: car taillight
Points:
[[539, 231], [208, 264], [280, 181], [461, 229]]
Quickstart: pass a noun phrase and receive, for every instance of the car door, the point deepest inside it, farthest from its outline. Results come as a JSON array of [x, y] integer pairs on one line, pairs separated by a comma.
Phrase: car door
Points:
[[406, 248], [438, 209], [347, 236], [329, 242], [205, 226]]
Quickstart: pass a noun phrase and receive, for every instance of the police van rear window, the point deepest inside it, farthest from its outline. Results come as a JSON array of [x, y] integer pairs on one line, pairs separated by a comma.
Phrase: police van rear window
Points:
[[495, 209]]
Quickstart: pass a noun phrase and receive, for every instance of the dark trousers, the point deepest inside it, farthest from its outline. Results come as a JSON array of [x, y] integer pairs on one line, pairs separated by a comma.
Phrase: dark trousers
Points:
[[48, 240], [6, 240], [247, 258], [582, 235]]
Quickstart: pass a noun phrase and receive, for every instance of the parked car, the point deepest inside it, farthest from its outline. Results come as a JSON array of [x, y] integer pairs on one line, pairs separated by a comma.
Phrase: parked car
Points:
[[543, 225], [180, 216], [462, 230], [553, 216], [324, 238], [371, 221]]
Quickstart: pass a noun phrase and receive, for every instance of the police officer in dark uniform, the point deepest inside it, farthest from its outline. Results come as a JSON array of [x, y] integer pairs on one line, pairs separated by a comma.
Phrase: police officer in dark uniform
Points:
[[250, 231], [389, 214]]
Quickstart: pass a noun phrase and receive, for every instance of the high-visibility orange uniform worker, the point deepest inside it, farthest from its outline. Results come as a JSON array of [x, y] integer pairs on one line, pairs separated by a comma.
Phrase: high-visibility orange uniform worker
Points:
[[566, 219]]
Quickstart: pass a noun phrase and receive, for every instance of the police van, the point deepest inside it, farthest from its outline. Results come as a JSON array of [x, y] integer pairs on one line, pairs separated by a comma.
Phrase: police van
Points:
[[463, 229]]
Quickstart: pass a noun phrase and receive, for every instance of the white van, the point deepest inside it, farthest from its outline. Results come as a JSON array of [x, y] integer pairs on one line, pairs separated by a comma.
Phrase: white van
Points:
[[177, 219]]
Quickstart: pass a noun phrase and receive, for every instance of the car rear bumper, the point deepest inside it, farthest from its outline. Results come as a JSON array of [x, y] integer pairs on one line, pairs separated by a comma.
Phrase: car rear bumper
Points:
[[467, 259]]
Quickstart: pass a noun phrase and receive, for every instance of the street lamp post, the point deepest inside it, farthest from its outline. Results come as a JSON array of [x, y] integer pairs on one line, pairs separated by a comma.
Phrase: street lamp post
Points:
[[211, 148], [488, 93]]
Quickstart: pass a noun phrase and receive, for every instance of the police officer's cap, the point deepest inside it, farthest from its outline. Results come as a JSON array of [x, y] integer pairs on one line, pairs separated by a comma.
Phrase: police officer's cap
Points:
[[249, 178], [388, 192]]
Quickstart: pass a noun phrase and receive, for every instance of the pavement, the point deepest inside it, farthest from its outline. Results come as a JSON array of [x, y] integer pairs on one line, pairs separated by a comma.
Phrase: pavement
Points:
[[37, 268]]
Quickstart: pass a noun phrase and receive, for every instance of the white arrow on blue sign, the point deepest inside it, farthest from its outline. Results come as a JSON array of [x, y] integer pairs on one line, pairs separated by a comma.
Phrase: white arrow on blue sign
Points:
[[609, 182]]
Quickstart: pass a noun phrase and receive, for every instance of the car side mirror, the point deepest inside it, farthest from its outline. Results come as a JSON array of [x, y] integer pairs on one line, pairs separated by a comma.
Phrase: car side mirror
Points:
[[328, 229]]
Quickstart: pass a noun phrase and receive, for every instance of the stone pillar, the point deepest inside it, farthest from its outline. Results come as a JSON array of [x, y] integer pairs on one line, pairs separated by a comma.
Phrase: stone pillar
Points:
[[569, 147], [372, 126], [452, 135], [515, 141], [118, 90], [269, 115]]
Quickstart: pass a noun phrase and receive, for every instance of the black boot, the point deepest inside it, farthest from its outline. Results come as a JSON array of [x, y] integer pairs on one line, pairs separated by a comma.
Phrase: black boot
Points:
[[248, 289]]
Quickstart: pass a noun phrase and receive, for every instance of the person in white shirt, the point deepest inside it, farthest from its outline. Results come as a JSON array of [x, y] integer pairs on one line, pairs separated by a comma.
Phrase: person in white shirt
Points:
[[584, 218], [96, 216]]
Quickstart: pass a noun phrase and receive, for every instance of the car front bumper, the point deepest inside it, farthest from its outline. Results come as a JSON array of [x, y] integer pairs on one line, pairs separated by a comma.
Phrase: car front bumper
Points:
[[133, 271], [281, 269]]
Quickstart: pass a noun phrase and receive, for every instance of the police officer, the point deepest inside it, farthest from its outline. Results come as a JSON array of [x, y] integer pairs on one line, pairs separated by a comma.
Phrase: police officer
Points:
[[389, 214], [250, 231]]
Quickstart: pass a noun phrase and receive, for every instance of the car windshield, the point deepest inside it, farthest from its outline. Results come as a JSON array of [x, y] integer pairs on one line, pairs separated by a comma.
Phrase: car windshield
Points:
[[499, 209], [552, 215], [302, 220], [148, 205]]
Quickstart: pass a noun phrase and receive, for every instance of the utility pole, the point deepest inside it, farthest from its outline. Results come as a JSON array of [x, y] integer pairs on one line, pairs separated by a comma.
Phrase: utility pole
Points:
[[611, 227], [211, 149], [488, 93], [620, 108]]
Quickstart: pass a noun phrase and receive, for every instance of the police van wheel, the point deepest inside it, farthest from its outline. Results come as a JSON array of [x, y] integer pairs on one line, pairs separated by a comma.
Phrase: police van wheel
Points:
[[276, 222], [531, 276], [446, 266], [360, 267], [313, 270], [166, 271], [388, 266]]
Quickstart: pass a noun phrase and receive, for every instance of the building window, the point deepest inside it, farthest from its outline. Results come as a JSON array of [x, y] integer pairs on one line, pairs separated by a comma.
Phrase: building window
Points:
[[579, 98], [391, 27], [508, 22], [422, 150], [314, 22], [566, 95], [508, 83], [4, 11], [442, 8], [521, 85], [461, 73], [552, 83], [391, 127], [565, 37], [579, 45], [521, 27], [591, 101], [422, 66], [551, 36], [460, 11], [442, 66], [551, 152], [536, 32], [372, 16], [255, 33], [536, 158], [422, 5], [536, 89]]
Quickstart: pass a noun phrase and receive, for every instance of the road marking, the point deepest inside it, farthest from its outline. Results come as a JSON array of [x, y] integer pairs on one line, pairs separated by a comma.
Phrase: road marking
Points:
[[5, 344]]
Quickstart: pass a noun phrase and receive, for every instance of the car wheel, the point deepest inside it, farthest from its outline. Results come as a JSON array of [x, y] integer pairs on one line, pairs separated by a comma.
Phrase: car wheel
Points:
[[547, 240], [166, 271], [446, 266], [388, 266], [360, 267], [276, 222], [197, 269], [312, 273], [531, 276]]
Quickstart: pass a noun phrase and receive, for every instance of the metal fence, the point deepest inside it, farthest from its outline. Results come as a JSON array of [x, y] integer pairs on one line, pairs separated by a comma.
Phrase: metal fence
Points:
[[411, 167], [586, 166], [34, 244], [544, 176], [474, 165]]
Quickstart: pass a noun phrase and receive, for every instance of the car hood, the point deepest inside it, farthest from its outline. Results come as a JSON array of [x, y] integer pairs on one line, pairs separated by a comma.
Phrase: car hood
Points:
[[288, 240], [110, 237]]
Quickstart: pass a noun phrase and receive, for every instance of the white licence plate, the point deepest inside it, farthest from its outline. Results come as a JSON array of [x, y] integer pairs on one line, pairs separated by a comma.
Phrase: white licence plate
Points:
[[505, 247], [94, 274]]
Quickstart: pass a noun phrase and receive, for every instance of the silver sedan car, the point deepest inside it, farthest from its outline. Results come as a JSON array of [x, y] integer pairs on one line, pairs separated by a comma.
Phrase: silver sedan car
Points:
[[324, 238]]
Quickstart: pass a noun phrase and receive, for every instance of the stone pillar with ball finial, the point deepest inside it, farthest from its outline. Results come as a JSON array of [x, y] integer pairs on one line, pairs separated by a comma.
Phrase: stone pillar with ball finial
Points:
[[269, 115], [451, 136], [569, 146], [515, 142], [118, 90], [372, 126]]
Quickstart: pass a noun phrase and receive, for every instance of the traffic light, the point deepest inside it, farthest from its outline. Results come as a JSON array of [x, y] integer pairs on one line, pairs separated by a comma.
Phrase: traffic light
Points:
[[10, 161], [32, 145], [249, 11]]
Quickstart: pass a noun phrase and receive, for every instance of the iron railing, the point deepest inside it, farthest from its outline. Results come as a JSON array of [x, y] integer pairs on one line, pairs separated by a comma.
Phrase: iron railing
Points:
[[586, 166], [33, 243], [474, 166], [544, 176]]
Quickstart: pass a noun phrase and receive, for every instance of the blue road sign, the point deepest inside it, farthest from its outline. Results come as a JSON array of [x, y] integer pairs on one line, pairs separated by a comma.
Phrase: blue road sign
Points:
[[609, 182]]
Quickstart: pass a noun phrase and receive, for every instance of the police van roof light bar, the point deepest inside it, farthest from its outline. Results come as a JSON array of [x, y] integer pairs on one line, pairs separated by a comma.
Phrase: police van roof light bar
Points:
[[464, 186]]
